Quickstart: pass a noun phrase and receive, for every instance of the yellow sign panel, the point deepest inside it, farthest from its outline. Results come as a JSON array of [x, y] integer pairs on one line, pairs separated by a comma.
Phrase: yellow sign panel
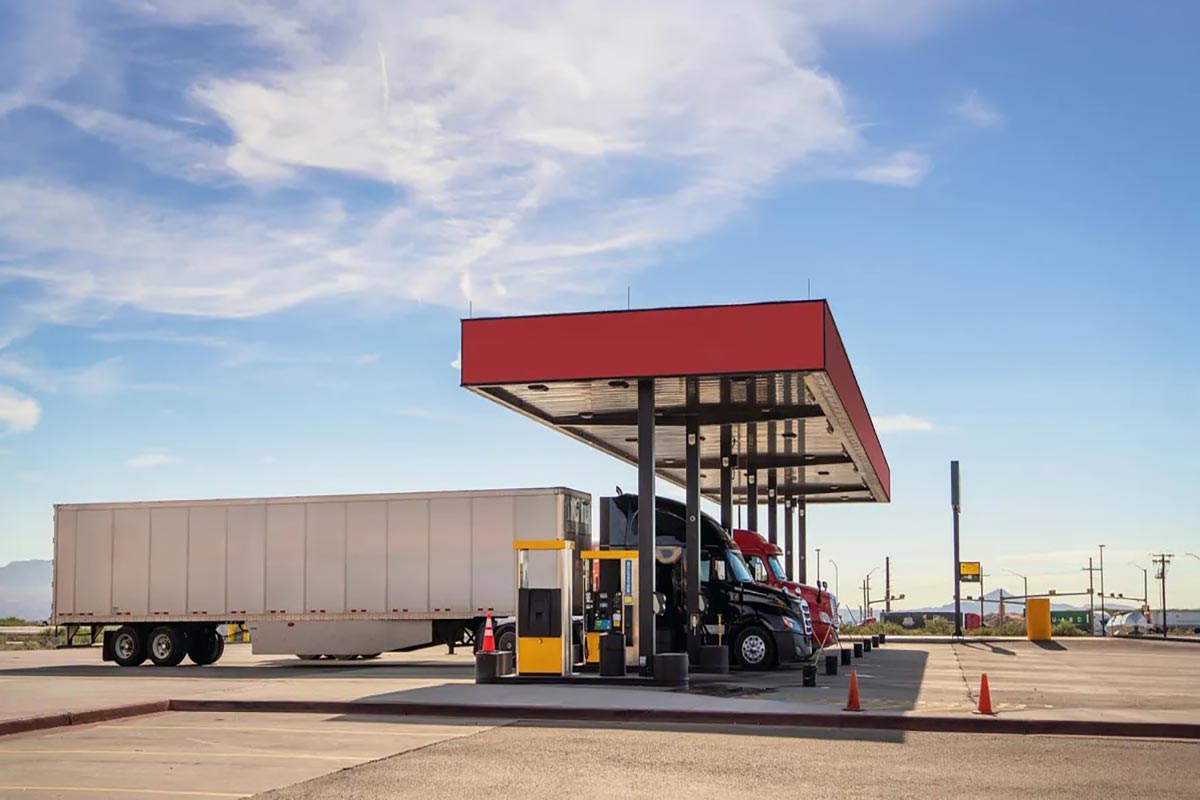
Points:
[[969, 571]]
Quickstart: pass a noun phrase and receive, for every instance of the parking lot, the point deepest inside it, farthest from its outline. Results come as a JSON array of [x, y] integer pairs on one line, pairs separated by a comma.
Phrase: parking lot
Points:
[[204, 754]]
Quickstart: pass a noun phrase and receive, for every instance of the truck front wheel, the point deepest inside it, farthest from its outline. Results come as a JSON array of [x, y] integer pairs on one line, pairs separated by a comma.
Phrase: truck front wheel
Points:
[[129, 646], [754, 649], [167, 646]]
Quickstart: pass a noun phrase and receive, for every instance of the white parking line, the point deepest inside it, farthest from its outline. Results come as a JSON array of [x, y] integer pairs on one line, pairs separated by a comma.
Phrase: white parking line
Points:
[[118, 791], [326, 732], [184, 754]]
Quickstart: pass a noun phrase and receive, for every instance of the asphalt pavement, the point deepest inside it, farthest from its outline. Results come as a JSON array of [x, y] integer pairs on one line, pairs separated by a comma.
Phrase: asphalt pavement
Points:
[[539, 761]]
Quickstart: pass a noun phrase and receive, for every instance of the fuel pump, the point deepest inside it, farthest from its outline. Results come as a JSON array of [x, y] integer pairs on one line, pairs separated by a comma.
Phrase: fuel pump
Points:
[[610, 601], [544, 613]]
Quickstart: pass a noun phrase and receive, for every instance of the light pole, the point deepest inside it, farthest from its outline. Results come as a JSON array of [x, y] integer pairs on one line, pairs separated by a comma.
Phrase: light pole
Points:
[[1193, 555], [867, 591], [1022, 577], [1145, 583], [837, 583], [1103, 628]]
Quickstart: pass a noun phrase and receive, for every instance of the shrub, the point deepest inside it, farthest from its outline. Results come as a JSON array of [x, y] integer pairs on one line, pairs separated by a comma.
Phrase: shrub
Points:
[[937, 626], [1064, 627]]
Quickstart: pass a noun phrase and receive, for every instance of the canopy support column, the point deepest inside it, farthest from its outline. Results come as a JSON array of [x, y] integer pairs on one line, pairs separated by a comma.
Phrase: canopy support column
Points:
[[788, 532], [751, 452], [692, 565], [726, 465], [646, 519], [802, 544], [772, 509]]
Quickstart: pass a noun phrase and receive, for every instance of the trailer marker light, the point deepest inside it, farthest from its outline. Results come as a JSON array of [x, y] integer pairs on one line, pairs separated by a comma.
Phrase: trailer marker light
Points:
[[538, 387], [619, 384]]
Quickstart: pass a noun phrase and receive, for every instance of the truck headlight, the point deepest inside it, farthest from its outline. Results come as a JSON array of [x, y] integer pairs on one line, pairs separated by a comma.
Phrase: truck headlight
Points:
[[792, 624], [825, 618]]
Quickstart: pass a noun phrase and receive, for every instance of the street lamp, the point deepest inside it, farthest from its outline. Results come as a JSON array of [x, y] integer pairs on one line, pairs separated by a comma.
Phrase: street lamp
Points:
[[1022, 577], [1193, 555], [867, 590], [1145, 583], [837, 584], [1103, 627]]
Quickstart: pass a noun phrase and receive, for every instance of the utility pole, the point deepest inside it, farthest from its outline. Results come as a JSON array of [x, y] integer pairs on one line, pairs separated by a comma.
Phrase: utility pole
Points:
[[887, 584], [1145, 584], [1103, 631], [1161, 560], [954, 505], [1089, 569]]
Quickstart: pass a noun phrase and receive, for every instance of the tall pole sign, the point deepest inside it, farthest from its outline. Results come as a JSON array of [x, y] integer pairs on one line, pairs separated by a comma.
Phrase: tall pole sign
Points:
[[954, 504]]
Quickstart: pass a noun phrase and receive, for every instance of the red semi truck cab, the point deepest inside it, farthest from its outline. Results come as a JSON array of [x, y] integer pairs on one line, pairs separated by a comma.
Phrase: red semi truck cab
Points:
[[765, 560]]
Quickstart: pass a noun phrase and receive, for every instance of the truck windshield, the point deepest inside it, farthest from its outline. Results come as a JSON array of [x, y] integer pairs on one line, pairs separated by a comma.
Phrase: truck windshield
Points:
[[738, 568], [777, 568]]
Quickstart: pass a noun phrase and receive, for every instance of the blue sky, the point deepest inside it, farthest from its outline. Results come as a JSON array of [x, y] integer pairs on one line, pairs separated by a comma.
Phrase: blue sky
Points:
[[236, 241]]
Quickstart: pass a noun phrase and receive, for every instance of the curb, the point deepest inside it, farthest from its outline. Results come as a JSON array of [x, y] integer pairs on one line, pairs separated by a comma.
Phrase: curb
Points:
[[11, 726], [867, 721]]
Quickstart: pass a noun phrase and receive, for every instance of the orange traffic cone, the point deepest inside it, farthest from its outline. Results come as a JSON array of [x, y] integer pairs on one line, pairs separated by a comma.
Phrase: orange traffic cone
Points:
[[985, 698], [852, 700], [489, 639]]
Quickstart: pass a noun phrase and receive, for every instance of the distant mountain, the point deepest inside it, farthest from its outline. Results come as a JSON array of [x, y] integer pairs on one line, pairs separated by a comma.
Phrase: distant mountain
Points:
[[991, 605], [25, 589]]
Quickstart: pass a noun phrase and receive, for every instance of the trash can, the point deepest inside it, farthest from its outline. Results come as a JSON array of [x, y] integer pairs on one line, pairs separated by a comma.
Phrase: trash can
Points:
[[714, 659], [612, 654], [810, 675]]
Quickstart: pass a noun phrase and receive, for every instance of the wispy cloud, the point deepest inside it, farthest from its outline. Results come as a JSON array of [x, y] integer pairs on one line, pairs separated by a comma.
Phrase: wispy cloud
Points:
[[512, 154], [906, 168], [151, 459], [902, 423], [19, 413], [977, 111]]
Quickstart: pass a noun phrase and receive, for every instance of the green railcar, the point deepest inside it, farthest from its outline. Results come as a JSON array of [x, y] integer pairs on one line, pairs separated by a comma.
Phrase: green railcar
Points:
[[1077, 618]]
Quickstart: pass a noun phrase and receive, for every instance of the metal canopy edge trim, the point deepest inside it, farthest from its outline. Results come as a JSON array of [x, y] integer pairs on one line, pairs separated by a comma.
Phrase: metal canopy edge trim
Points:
[[656, 343], [543, 364]]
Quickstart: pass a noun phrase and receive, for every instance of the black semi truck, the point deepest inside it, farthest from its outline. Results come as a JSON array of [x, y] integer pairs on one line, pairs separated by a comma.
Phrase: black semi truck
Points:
[[763, 627]]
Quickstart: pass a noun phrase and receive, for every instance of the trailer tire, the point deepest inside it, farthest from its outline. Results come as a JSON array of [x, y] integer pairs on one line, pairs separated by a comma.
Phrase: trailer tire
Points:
[[129, 646], [204, 646], [167, 645], [308, 656], [754, 649], [506, 638], [370, 656]]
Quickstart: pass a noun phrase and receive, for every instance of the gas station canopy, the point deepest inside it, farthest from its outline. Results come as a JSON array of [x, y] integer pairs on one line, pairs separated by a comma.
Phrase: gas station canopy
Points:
[[771, 379]]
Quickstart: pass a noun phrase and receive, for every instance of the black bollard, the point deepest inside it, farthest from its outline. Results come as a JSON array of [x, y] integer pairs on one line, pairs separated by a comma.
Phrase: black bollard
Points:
[[866, 644], [874, 640], [810, 674], [883, 638], [831, 663], [858, 649], [847, 655]]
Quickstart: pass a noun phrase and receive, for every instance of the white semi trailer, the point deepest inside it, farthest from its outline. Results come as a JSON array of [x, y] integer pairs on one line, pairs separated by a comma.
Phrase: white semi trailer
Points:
[[339, 576]]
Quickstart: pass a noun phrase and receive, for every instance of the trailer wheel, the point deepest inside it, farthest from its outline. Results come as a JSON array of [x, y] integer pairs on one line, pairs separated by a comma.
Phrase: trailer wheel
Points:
[[506, 638], [167, 646], [753, 648], [369, 656], [204, 646], [129, 646], [308, 656]]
